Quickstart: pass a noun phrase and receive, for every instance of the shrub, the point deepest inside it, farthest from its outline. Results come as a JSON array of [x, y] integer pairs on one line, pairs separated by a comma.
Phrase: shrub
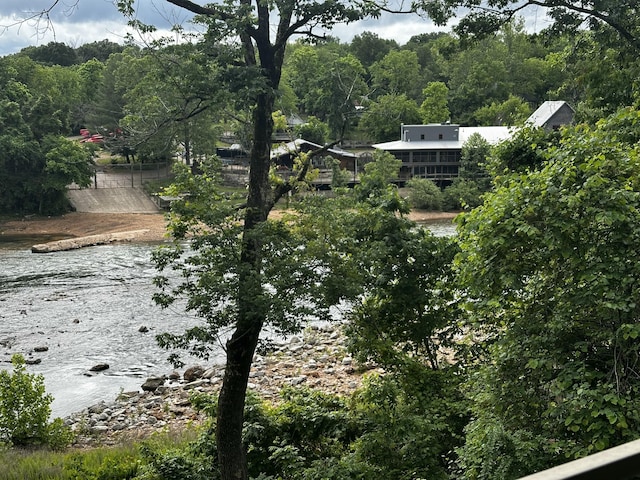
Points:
[[462, 194], [25, 410], [424, 194]]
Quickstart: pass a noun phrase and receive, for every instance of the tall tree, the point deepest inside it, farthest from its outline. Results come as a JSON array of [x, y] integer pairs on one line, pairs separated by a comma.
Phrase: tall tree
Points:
[[262, 50], [328, 82], [382, 119], [434, 108], [169, 102], [369, 48], [397, 73]]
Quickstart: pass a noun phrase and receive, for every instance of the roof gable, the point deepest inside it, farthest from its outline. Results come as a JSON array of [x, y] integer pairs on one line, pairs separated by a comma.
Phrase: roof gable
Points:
[[550, 110]]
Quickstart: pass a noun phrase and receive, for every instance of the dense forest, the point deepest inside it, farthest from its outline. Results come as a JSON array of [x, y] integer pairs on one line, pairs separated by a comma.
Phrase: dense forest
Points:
[[161, 99], [506, 350]]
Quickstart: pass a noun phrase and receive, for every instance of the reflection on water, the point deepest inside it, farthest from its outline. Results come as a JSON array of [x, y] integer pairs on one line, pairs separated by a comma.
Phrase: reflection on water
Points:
[[87, 307], [441, 227]]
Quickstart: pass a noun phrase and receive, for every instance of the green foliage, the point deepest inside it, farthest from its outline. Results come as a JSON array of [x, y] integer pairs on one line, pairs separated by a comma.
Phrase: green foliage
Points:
[[397, 74], [552, 291], [53, 53], [513, 111], [434, 108], [313, 130], [383, 118], [36, 165], [329, 83], [424, 194], [523, 152], [292, 285], [375, 188], [473, 178], [462, 194], [368, 47], [25, 410], [339, 176]]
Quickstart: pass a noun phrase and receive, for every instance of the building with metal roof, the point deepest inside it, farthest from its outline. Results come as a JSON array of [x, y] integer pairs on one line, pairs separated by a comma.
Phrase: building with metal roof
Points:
[[433, 151]]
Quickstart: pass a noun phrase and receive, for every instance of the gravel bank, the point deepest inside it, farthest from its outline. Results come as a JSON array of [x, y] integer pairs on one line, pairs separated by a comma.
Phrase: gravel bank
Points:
[[318, 360]]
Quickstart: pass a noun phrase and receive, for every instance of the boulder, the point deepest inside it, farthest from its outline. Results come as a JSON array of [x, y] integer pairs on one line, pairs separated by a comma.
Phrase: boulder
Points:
[[99, 367], [193, 373], [152, 384]]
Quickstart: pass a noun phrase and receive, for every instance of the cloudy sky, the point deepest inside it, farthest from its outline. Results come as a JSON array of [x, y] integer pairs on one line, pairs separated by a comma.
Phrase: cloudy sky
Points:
[[76, 22]]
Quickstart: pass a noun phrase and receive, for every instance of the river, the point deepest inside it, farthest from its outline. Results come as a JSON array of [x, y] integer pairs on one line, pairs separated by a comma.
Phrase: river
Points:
[[87, 307]]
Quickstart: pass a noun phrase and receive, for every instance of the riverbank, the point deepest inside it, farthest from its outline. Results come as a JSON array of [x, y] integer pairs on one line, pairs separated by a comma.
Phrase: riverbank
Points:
[[150, 227], [317, 359]]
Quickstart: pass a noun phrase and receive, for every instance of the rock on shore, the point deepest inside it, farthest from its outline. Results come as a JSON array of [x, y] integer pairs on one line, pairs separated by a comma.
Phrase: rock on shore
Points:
[[318, 360], [88, 241]]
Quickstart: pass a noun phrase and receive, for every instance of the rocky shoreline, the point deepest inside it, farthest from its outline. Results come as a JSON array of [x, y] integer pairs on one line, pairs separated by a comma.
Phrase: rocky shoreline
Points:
[[318, 360]]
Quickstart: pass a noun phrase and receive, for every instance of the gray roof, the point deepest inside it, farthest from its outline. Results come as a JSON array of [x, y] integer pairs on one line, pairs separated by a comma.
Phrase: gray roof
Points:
[[492, 135], [296, 145], [545, 112]]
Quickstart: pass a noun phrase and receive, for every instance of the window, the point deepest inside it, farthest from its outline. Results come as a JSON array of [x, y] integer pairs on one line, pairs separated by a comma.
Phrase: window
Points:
[[450, 156], [403, 156], [422, 136], [424, 157]]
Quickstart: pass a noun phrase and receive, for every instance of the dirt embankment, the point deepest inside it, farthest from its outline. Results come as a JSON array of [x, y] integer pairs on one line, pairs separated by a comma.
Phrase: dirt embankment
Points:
[[153, 226]]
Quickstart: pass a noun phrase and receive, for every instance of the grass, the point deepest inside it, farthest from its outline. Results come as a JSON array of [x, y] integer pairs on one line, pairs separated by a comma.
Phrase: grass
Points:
[[117, 462]]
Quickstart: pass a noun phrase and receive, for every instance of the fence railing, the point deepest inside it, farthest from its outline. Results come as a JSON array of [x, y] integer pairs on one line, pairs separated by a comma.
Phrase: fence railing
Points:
[[617, 463], [127, 175]]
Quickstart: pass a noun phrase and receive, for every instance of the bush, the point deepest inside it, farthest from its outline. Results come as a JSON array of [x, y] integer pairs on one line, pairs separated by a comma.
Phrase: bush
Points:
[[25, 410], [462, 194], [424, 194]]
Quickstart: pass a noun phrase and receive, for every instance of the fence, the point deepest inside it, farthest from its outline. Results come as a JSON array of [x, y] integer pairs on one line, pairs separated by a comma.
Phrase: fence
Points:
[[128, 175], [622, 462]]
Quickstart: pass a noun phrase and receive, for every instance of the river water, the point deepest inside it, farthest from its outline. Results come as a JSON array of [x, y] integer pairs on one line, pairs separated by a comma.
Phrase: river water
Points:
[[87, 306]]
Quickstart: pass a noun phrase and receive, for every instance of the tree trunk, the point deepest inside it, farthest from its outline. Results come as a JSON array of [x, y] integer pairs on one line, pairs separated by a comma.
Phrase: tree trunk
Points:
[[187, 144], [251, 308]]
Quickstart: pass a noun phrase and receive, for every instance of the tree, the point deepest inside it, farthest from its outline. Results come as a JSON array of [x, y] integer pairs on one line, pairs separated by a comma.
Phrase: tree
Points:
[[434, 108], [473, 159], [369, 48], [513, 111], [477, 76], [600, 77], [424, 194], [488, 16], [404, 321], [329, 83], [553, 294], [313, 130], [35, 166], [100, 50], [53, 53], [396, 73], [382, 118], [430, 49], [25, 410], [524, 152], [260, 61], [169, 102]]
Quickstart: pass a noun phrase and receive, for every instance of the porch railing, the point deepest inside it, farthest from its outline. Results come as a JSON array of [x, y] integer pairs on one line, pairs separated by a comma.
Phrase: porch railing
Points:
[[617, 463]]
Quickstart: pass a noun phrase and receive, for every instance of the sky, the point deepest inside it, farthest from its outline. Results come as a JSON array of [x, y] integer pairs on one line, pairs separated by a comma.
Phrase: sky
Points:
[[76, 22]]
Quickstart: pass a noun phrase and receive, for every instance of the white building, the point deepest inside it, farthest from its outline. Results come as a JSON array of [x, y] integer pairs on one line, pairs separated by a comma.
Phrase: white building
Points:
[[433, 151]]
